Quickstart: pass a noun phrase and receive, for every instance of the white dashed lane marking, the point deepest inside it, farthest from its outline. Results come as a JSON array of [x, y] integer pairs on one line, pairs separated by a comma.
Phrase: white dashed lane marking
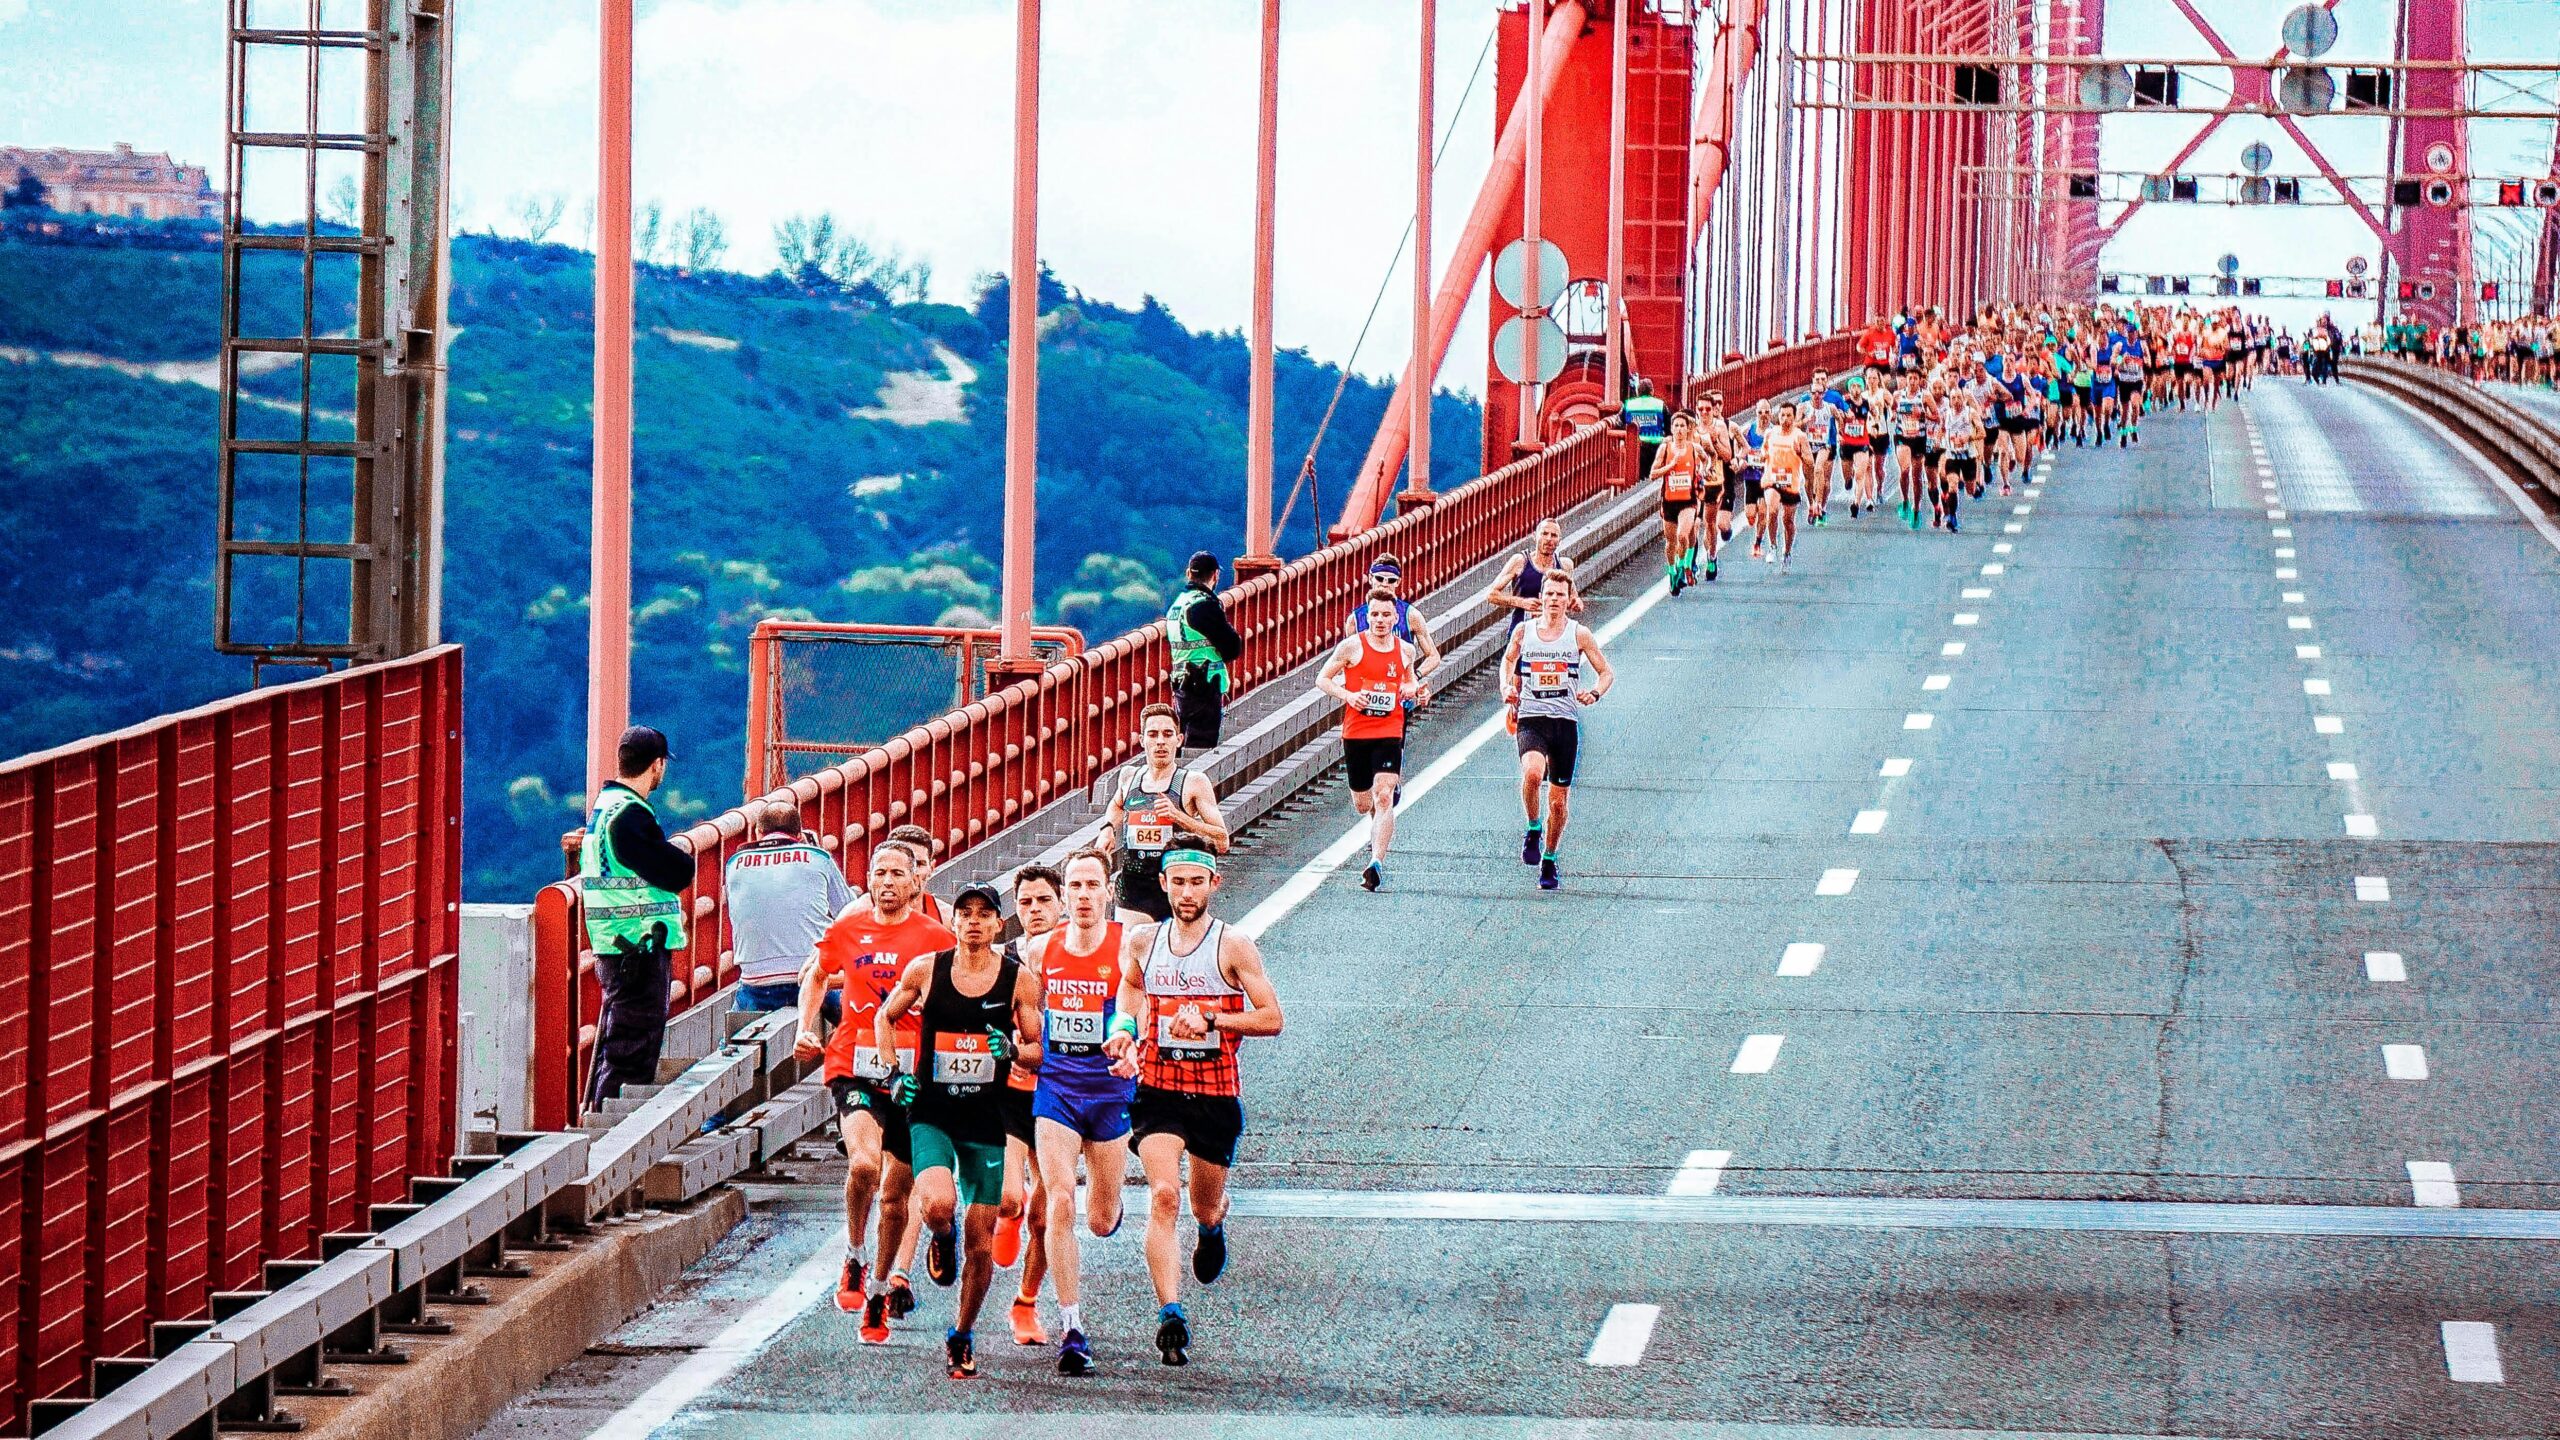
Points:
[[1918, 720], [2405, 1062], [2384, 967], [2328, 725], [1624, 1334], [2431, 1186], [2373, 889], [2363, 827], [1937, 682], [1701, 1172], [1895, 767], [2471, 1353], [1967, 617], [1760, 1052], [2297, 622], [1836, 882], [2342, 770], [1801, 958], [1952, 647], [2315, 687]]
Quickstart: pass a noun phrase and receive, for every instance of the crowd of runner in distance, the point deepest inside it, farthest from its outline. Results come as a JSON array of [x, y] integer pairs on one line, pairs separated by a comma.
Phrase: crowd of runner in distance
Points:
[[983, 1061], [1934, 414]]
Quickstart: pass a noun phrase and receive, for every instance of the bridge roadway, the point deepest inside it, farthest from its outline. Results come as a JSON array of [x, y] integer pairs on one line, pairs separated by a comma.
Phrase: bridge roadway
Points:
[[2108, 945]]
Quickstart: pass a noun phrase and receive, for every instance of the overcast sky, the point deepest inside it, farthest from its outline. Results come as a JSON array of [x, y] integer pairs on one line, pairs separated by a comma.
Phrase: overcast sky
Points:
[[895, 114]]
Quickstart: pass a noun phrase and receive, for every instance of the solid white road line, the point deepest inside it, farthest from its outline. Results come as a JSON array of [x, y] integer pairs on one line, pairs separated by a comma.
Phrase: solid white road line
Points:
[[2431, 1185], [1836, 882], [1937, 682], [1868, 822], [1802, 958], [1311, 876], [2384, 967], [1895, 767], [2342, 770], [1624, 1334], [1701, 1172], [2401, 1062], [2373, 889], [1918, 720], [2471, 1353], [2363, 827], [1760, 1052], [2328, 725], [729, 1349]]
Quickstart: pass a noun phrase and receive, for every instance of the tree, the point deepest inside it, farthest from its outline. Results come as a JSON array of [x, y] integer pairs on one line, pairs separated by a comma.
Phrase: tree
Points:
[[27, 194], [343, 203], [701, 240], [537, 215], [805, 244], [649, 237]]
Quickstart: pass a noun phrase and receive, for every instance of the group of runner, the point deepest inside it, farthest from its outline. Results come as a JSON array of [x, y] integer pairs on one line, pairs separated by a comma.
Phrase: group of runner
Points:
[[1934, 414], [983, 1060]]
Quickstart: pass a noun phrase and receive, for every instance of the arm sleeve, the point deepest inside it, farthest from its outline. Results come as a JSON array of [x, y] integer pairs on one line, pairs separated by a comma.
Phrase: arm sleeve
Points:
[[1209, 617], [640, 844]]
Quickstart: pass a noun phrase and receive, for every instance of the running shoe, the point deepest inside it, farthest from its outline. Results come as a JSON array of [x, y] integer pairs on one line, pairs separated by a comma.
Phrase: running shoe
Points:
[[1026, 1323], [1711, 567], [849, 1289], [875, 1320], [1529, 846], [1547, 878], [942, 1256], [1008, 1241], [1209, 1254], [961, 1349], [1952, 527], [1786, 563], [1173, 1335], [1074, 1356], [902, 1296], [1370, 876], [1677, 583]]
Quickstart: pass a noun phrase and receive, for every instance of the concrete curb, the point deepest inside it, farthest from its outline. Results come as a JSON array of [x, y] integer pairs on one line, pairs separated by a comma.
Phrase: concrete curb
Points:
[[454, 1384]]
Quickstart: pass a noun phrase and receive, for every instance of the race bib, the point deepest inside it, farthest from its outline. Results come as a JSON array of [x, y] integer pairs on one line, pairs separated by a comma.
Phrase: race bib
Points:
[[1076, 1031], [867, 1066], [1172, 1048], [1550, 678], [1377, 702], [963, 1062]]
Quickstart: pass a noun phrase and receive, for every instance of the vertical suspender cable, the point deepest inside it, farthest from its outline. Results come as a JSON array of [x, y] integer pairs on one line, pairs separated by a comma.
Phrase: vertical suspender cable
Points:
[[1258, 387], [1532, 183], [1417, 485], [1022, 356], [1613, 324], [609, 563]]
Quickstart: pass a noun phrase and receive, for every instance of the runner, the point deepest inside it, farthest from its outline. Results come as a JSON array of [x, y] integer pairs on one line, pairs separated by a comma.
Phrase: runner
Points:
[[1676, 466], [1373, 674], [1850, 434], [1022, 1220], [1909, 425], [1715, 489], [1161, 803], [1543, 694], [1081, 1107], [1516, 588], [1825, 414], [1750, 466], [863, 953], [1386, 582], [977, 1008], [1790, 456], [1645, 415], [1190, 987]]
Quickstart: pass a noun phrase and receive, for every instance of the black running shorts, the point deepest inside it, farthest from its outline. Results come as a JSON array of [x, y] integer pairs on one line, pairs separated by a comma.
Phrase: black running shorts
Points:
[[1369, 759], [853, 1097], [1559, 739], [1207, 1125]]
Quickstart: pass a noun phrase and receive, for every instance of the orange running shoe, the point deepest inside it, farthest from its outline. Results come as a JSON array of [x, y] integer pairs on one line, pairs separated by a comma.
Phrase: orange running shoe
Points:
[[1008, 1242], [875, 1321], [1026, 1323], [849, 1288]]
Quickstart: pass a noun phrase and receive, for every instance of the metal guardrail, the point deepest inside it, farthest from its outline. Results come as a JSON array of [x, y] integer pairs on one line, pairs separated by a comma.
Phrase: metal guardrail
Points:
[[230, 1371], [2522, 447]]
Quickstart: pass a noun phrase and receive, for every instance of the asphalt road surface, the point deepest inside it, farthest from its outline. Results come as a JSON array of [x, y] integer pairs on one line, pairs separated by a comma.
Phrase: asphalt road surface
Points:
[[2188, 825]]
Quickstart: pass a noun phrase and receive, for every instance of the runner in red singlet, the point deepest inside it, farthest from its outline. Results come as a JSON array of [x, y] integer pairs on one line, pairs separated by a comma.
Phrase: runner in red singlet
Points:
[[1373, 673]]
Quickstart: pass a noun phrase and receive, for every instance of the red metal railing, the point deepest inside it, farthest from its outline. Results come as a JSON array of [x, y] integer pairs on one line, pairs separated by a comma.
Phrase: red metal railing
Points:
[[969, 774], [227, 998]]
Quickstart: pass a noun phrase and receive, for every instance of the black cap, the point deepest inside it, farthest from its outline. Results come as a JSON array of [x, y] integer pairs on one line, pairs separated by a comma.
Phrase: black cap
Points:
[[979, 890], [1202, 563], [641, 747]]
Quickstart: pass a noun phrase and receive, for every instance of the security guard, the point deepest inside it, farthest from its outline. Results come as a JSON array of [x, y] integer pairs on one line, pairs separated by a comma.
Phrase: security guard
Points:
[[1204, 644], [631, 880], [1650, 419]]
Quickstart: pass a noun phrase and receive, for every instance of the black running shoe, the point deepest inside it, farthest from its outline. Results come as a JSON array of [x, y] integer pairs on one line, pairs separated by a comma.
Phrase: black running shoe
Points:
[[942, 1256], [1209, 1255], [1370, 875], [1547, 875], [961, 1349], [901, 1297], [1075, 1357], [1173, 1336], [1529, 846]]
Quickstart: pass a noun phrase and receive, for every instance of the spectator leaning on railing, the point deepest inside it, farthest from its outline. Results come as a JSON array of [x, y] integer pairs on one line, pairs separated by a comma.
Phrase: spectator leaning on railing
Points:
[[783, 891], [631, 882]]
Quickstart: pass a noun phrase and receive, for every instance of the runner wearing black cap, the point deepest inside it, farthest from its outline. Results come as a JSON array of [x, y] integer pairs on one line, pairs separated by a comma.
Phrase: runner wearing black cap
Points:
[[978, 1009], [1386, 582]]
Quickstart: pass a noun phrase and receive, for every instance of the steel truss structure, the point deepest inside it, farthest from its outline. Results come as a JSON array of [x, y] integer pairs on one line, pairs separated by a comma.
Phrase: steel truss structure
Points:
[[333, 330]]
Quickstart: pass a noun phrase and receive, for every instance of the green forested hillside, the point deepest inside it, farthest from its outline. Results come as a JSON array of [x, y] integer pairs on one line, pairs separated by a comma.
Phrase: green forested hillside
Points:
[[773, 476]]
